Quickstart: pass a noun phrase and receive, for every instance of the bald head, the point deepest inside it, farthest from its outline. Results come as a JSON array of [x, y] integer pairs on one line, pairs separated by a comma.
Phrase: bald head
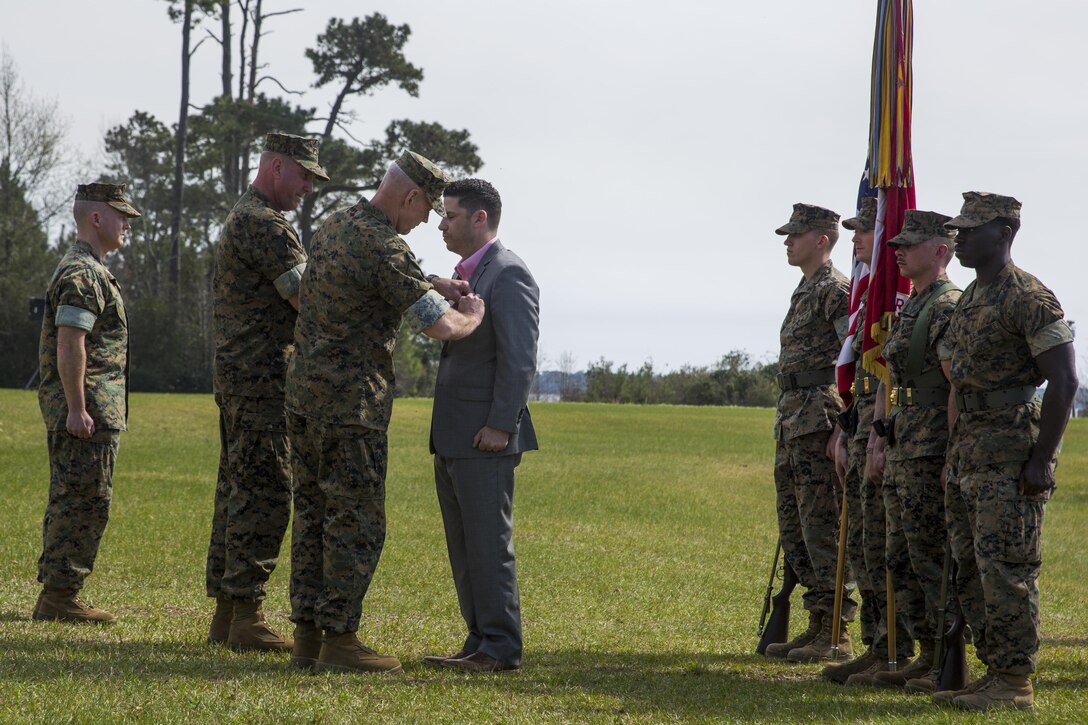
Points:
[[396, 183]]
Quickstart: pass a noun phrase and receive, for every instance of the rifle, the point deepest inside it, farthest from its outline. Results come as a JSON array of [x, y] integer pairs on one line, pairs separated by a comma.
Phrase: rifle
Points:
[[942, 608], [889, 589], [954, 668], [840, 571], [777, 628]]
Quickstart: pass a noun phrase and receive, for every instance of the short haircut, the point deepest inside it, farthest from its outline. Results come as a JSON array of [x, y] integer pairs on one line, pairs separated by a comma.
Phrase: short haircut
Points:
[[396, 179], [83, 208], [832, 237], [477, 194], [951, 251], [1011, 223]]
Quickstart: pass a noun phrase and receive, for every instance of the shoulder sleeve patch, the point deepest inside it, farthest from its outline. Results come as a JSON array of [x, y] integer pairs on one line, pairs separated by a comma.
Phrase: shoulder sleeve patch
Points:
[[426, 311], [287, 284], [1051, 336], [71, 316]]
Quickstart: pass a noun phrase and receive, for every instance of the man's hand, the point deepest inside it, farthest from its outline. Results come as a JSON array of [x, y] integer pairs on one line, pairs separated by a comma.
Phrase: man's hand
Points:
[[491, 439], [874, 460], [1036, 477], [471, 304], [452, 289], [80, 424], [842, 457], [460, 321], [832, 441]]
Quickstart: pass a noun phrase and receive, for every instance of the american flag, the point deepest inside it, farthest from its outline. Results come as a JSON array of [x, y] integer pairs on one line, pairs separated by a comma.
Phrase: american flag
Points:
[[891, 171], [846, 365]]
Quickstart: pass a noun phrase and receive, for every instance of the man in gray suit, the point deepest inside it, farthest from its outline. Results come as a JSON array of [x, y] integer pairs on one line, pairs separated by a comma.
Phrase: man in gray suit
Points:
[[480, 425]]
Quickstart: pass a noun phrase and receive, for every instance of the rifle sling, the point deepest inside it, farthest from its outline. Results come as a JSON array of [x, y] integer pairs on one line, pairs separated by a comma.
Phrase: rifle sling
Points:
[[929, 387]]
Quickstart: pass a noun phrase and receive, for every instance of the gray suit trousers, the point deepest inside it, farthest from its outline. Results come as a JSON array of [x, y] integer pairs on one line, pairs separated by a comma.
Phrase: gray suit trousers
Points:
[[476, 496]]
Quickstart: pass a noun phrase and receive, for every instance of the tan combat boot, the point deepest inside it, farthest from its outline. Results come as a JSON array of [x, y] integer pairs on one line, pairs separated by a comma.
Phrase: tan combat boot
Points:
[[219, 629], [921, 666], [1003, 692], [64, 605], [839, 671], [865, 677], [819, 648], [945, 697], [345, 653], [249, 632], [307, 646], [924, 685], [781, 649]]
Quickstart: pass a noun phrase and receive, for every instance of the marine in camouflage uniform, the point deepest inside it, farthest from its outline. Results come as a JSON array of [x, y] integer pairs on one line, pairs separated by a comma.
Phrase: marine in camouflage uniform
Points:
[[258, 267], [918, 420], [362, 278], [85, 332], [1007, 335], [805, 418], [865, 504]]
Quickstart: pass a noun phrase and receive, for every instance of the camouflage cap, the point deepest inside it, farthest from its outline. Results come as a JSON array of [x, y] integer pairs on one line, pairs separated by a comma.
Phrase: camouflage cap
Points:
[[301, 149], [921, 226], [426, 176], [807, 217], [112, 194], [980, 207], [865, 221]]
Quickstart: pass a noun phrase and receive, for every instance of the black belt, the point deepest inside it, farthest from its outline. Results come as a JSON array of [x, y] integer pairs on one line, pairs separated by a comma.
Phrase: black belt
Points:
[[864, 385], [903, 397], [806, 379], [988, 400]]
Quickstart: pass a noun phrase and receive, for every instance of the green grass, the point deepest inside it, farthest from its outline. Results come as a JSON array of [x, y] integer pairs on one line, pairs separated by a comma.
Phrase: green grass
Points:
[[643, 534]]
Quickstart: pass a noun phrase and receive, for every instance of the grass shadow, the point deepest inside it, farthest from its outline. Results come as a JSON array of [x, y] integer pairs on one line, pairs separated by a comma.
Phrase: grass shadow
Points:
[[704, 686], [42, 658]]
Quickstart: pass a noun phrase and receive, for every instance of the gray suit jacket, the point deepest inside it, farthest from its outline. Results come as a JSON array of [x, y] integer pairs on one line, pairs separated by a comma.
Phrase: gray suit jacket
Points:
[[484, 379]]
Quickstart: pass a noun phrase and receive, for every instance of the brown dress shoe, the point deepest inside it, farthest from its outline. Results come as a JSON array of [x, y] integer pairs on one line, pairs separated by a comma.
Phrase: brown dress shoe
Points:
[[441, 660], [479, 662]]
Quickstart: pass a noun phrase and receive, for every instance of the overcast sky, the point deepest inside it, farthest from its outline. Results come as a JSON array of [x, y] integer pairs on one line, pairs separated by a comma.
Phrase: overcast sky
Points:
[[646, 151]]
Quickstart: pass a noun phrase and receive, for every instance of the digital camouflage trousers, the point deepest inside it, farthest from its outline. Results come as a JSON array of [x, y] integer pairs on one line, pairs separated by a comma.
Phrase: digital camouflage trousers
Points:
[[252, 497], [916, 540], [80, 491], [807, 502], [339, 525], [996, 539]]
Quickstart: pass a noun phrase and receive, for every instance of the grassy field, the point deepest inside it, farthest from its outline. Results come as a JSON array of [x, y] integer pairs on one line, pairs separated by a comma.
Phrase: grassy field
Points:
[[644, 535]]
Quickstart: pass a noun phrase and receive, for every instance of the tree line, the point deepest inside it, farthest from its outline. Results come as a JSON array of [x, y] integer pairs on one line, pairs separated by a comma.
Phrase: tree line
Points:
[[185, 176], [735, 379]]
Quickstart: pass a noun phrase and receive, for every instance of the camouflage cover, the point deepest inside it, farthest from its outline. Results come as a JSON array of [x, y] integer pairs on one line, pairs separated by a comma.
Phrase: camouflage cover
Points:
[[865, 221], [807, 217], [112, 194], [302, 149], [980, 207], [921, 226]]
